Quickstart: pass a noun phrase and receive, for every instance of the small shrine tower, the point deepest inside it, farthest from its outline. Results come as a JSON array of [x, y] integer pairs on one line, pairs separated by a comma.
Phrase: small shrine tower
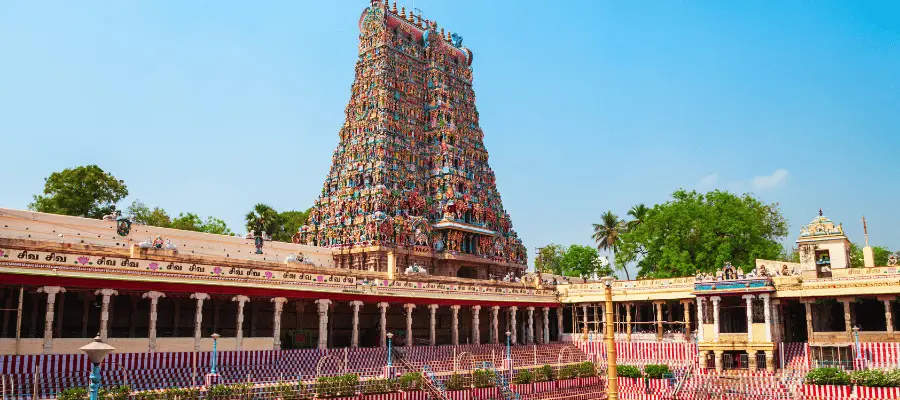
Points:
[[823, 246]]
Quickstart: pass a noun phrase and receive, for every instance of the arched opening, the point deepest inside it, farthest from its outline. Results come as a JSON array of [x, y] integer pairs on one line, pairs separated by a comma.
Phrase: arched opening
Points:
[[465, 272]]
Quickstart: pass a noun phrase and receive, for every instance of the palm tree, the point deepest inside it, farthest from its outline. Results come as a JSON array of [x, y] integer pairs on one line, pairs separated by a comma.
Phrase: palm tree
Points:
[[639, 215], [606, 234], [263, 219]]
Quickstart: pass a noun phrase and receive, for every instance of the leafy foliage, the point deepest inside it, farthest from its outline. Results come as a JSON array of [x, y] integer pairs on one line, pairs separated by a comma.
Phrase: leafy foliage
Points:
[[703, 231], [875, 378], [291, 221], [144, 215], [336, 386], [880, 254], [543, 374], [523, 377], [483, 378], [656, 371], [85, 191], [628, 371], [827, 376], [549, 259], [455, 382], [73, 393], [263, 218], [587, 369], [141, 214], [410, 381], [568, 372], [291, 391], [582, 261], [379, 385]]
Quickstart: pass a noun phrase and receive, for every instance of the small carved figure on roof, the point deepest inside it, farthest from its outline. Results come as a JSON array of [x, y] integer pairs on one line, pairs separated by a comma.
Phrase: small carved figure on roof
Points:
[[158, 242]]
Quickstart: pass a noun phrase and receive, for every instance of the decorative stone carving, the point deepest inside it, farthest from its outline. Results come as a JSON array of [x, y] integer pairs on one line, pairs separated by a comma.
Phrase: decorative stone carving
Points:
[[154, 301], [104, 311], [239, 336], [276, 321], [51, 292]]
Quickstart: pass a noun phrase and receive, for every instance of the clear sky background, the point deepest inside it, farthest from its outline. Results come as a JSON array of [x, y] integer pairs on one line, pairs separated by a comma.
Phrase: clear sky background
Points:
[[212, 106]]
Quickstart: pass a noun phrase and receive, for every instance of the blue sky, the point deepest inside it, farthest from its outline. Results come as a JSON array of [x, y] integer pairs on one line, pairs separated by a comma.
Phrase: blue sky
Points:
[[212, 106]]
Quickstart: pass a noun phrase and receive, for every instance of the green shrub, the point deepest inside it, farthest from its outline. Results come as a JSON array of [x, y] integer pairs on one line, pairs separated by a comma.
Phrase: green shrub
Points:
[[587, 370], [827, 376], [543, 374], [147, 396], [628, 371], [568, 372], [656, 371], [378, 386], [869, 378], [523, 377], [220, 392], [893, 378], [290, 391], [483, 378], [456, 382], [410, 381], [336, 386], [73, 393]]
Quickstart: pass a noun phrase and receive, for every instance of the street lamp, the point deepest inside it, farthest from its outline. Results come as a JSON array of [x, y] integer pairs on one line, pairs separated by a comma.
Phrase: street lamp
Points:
[[856, 335], [96, 352], [215, 337], [508, 334], [612, 377], [389, 337]]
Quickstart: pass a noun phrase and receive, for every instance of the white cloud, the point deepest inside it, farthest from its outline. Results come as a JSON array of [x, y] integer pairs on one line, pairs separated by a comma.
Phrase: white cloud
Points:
[[708, 183], [767, 182]]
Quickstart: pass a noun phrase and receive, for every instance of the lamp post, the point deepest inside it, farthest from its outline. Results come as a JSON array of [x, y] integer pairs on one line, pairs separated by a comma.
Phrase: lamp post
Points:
[[96, 352], [856, 337], [215, 338], [389, 337], [508, 334], [611, 375]]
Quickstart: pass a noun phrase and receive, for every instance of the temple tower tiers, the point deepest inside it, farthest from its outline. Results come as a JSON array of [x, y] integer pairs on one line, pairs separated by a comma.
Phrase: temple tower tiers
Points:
[[411, 170]]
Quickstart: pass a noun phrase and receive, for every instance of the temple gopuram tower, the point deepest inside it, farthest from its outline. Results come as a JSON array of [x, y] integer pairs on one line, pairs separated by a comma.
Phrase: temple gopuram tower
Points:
[[410, 188]]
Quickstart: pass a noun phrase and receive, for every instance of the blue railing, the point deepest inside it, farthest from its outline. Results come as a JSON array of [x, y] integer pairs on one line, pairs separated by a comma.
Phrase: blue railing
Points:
[[501, 382], [433, 378]]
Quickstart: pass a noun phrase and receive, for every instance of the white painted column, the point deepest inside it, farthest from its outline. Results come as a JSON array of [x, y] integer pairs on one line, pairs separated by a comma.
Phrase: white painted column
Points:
[[546, 325], [454, 325], [354, 335], [767, 313], [51, 292], [495, 311], [584, 319], [239, 335], [322, 308], [559, 323], [409, 332], [382, 340], [476, 325], [512, 320], [154, 301], [529, 334], [198, 317], [432, 337], [715, 300], [700, 320], [889, 316], [748, 299], [276, 322], [104, 311]]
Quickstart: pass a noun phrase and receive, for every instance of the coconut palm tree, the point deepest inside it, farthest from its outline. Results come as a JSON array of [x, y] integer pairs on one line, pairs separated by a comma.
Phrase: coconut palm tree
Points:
[[607, 235], [638, 214], [263, 219]]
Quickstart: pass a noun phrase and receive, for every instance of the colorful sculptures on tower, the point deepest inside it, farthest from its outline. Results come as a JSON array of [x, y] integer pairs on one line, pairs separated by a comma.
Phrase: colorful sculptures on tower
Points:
[[411, 169]]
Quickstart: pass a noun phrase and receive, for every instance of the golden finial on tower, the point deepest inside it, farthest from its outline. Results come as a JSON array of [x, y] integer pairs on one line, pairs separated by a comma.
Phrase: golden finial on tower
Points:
[[419, 21], [448, 36], [394, 8], [442, 32], [410, 17], [402, 12]]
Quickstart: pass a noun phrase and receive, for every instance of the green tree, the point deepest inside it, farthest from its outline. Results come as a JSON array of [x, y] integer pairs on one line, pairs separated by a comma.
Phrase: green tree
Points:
[[85, 191], [582, 261], [638, 214], [263, 218], [549, 259], [192, 222], [141, 214], [291, 221], [880, 255], [215, 226], [703, 231], [608, 234]]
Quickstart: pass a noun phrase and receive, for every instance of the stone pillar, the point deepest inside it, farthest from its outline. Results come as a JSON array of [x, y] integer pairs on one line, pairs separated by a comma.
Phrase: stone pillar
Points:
[[495, 322], [529, 333], [888, 315], [382, 340], [86, 308], [51, 292], [809, 321], [715, 301], [133, 316], [686, 304], [454, 325], [59, 316], [770, 360], [748, 299], [432, 325], [322, 308], [154, 301], [239, 335], [198, 318], [767, 315], [354, 334], [718, 353], [584, 318], [276, 322], [409, 333], [476, 325], [659, 319], [546, 325], [595, 307], [700, 319], [512, 320], [104, 311], [751, 360], [848, 318], [559, 323], [628, 322]]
